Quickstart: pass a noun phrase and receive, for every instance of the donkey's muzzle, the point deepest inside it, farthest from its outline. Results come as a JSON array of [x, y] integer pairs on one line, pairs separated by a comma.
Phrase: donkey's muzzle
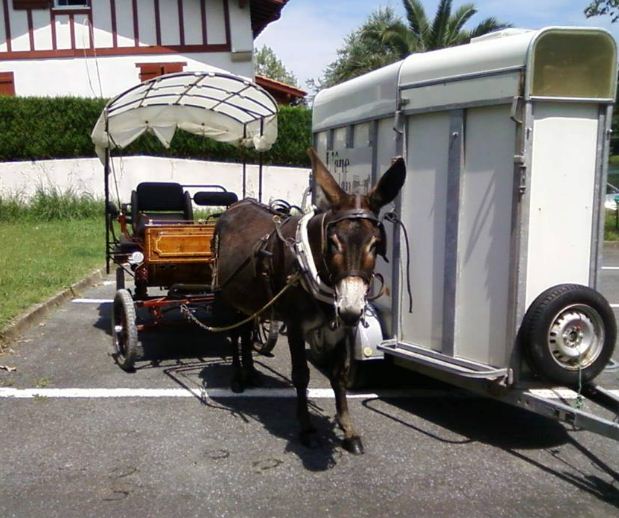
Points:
[[351, 297]]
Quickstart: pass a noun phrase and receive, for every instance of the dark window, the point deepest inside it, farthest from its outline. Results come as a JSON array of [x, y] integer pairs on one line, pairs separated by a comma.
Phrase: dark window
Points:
[[31, 4]]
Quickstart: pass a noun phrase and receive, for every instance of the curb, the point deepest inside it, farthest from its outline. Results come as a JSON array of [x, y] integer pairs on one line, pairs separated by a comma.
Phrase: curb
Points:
[[36, 313]]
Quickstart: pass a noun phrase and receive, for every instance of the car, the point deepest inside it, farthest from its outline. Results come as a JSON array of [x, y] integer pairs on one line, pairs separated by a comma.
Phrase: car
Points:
[[612, 193]]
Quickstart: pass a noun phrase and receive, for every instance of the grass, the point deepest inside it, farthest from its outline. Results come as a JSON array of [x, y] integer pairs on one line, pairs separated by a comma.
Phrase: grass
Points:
[[50, 205], [39, 258], [611, 232]]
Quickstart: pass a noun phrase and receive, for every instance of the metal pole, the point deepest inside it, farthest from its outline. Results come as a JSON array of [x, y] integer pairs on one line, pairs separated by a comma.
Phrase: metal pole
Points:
[[260, 177], [244, 163], [107, 214], [106, 182], [260, 164]]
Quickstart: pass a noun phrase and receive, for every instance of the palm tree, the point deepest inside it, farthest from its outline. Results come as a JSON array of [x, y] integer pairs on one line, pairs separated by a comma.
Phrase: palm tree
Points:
[[421, 34]]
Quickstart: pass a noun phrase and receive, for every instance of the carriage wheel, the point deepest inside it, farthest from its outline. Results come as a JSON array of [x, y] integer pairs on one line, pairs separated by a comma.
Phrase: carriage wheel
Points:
[[265, 335], [124, 331], [568, 334]]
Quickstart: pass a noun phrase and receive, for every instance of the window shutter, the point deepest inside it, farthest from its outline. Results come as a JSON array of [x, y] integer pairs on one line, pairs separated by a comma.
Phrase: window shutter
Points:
[[7, 83], [152, 70], [31, 4]]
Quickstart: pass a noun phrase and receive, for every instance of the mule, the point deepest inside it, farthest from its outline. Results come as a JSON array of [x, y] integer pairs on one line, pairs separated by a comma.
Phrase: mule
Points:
[[260, 255]]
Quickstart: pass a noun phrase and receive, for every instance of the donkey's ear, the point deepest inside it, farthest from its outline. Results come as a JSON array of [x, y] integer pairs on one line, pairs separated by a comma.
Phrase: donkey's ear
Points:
[[388, 186], [333, 192]]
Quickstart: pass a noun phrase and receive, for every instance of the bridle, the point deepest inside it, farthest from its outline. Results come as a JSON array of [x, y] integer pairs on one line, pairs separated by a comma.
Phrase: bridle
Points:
[[346, 215], [311, 279]]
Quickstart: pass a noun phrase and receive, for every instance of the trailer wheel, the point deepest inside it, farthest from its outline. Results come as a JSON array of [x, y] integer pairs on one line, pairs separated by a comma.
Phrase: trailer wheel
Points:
[[124, 331], [568, 334]]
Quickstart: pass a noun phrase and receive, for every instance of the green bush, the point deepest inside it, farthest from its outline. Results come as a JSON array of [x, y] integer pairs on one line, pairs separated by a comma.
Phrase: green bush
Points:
[[44, 128]]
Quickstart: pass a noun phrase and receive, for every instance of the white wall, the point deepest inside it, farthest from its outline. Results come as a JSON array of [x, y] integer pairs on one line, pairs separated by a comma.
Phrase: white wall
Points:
[[80, 77], [85, 175]]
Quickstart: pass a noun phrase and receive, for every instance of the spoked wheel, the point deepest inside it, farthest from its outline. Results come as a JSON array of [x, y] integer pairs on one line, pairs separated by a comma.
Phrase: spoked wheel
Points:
[[569, 334], [124, 331], [265, 335]]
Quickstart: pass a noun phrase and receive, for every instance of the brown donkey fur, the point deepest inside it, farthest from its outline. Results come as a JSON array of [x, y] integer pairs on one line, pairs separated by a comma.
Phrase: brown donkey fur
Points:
[[254, 263]]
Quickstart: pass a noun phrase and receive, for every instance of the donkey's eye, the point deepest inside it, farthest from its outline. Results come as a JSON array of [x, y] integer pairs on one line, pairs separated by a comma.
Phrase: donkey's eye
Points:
[[336, 244], [372, 245]]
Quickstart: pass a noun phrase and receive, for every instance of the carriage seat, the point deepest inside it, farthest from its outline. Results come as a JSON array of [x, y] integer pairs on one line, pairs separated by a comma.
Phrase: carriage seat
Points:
[[159, 203]]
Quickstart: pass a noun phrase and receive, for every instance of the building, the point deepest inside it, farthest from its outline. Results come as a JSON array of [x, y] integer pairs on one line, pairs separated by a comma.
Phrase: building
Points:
[[283, 93], [98, 48]]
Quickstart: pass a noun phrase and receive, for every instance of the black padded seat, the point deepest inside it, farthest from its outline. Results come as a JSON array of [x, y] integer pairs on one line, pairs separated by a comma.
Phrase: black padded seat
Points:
[[159, 203]]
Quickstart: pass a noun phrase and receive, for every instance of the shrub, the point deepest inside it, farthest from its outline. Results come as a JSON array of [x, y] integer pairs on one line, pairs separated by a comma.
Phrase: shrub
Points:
[[45, 128]]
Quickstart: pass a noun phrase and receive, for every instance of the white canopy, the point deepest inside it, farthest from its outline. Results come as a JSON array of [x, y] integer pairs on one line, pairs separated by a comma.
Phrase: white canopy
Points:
[[222, 106]]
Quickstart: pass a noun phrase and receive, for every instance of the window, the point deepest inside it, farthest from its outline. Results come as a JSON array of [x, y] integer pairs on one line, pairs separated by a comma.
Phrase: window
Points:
[[7, 83], [151, 70], [71, 3]]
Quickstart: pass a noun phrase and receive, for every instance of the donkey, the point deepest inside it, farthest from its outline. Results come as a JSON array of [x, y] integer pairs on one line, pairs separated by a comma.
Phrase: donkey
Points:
[[258, 257]]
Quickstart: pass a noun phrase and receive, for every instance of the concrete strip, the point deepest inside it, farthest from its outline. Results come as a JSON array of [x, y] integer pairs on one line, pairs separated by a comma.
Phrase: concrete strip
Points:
[[38, 312]]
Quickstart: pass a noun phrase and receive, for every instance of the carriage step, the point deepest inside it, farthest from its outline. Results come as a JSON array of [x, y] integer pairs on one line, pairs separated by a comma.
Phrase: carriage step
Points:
[[465, 368]]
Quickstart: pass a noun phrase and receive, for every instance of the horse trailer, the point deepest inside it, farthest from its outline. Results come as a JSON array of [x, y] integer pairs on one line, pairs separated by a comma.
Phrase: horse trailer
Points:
[[506, 143]]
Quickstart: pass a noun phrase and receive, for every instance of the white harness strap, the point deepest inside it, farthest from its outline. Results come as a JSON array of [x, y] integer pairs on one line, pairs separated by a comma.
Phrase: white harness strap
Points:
[[311, 280]]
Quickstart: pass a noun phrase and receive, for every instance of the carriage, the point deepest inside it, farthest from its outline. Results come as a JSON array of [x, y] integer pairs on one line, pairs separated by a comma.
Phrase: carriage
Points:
[[158, 238], [506, 144]]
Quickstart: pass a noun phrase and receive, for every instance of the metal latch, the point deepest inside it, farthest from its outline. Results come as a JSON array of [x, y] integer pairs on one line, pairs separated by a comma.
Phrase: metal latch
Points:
[[521, 171]]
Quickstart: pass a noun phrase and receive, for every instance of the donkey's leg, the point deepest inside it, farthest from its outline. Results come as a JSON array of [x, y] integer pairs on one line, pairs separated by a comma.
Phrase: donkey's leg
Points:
[[236, 384], [339, 379], [251, 377], [300, 379]]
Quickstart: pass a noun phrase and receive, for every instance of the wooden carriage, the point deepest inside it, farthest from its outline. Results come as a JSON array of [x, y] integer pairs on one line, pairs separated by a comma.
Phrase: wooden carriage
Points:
[[155, 239]]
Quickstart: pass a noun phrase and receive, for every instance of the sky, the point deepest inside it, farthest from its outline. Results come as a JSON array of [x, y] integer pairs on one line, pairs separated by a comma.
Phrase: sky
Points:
[[309, 32]]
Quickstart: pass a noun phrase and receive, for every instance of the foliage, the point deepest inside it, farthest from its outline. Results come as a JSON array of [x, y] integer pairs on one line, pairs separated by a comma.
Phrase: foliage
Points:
[[603, 7], [45, 128], [41, 258], [385, 38], [50, 205], [362, 54], [267, 64]]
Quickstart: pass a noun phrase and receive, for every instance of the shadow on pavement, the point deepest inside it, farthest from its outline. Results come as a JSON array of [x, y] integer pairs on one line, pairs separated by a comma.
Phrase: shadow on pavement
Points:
[[511, 429]]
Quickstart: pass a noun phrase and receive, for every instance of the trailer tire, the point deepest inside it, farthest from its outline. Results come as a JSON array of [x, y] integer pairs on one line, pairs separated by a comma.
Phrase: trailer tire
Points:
[[568, 334], [124, 331]]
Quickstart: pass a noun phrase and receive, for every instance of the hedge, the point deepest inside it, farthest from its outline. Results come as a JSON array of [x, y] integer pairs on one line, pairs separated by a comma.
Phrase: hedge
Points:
[[33, 128]]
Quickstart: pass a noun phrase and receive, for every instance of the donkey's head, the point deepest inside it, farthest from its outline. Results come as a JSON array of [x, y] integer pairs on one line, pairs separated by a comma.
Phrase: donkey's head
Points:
[[352, 235]]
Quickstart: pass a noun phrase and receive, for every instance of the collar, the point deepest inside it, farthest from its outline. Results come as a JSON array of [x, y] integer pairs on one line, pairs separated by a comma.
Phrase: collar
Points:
[[311, 279]]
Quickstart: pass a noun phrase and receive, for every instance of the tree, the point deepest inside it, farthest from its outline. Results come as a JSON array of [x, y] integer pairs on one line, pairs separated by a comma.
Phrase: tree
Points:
[[267, 64], [603, 7], [361, 54], [445, 30]]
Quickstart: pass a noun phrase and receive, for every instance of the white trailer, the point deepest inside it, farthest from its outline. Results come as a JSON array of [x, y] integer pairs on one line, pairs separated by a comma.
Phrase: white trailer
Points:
[[506, 145]]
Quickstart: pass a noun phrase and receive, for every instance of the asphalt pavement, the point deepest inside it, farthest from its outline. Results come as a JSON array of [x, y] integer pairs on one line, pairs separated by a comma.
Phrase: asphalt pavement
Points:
[[171, 440]]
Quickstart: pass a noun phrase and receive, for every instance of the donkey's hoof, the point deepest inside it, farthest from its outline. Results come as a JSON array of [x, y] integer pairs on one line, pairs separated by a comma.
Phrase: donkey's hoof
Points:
[[237, 386], [309, 439], [253, 379], [353, 445]]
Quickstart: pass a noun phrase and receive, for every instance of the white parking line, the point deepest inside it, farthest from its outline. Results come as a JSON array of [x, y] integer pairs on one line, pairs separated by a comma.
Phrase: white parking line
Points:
[[610, 267], [314, 393], [91, 301], [214, 393], [614, 305]]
